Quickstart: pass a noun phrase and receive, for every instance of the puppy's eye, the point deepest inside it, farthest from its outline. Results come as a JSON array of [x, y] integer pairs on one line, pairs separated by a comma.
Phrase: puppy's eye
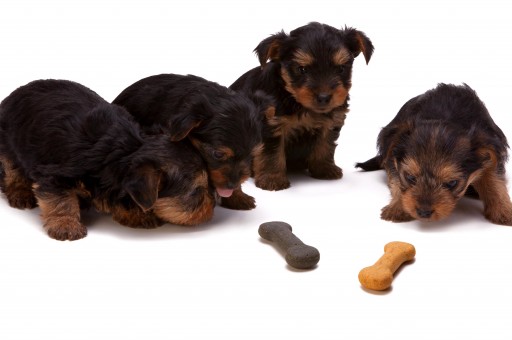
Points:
[[341, 68], [218, 154], [410, 179], [302, 69], [451, 184]]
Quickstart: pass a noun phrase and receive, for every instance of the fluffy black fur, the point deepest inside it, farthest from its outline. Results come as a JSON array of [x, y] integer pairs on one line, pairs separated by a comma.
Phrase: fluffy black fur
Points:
[[72, 147], [308, 72], [224, 126]]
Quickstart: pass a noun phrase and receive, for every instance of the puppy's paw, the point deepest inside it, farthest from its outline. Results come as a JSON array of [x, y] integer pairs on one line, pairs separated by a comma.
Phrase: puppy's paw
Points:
[[65, 229], [238, 201], [272, 182], [499, 216], [395, 214], [136, 219], [331, 171], [22, 199]]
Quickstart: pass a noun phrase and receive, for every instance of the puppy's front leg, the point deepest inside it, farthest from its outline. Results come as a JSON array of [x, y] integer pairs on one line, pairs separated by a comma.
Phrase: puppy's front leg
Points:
[[321, 159], [492, 190], [394, 211], [60, 211], [269, 165]]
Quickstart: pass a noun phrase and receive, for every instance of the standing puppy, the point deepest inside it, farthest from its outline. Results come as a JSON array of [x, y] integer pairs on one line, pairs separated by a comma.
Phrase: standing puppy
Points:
[[440, 144], [224, 126], [309, 74], [63, 147]]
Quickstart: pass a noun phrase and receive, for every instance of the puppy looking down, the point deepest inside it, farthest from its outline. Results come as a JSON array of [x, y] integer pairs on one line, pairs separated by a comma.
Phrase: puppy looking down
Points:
[[221, 124], [308, 72], [439, 145], [63, 148]]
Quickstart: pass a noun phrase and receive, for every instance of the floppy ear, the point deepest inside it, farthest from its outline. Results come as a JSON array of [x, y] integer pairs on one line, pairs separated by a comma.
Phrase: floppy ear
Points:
[[391, 141], [268, 49], [180, 128], [183, 122], [358, 42], [142, 186]]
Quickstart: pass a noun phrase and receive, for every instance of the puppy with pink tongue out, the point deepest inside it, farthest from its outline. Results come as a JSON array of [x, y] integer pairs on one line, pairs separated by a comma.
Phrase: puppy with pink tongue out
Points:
[[221, 124]]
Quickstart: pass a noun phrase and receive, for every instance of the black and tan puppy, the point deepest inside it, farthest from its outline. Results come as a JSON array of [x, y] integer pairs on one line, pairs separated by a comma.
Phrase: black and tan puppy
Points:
[[63, 147], [440, 144], [224, 126], [308, 72]]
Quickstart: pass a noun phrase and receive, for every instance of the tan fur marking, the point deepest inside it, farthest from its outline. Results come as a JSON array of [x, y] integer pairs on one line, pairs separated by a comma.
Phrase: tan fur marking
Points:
[[228, 152], [448, 172], [341, 56], [307, 98], [339, 96], [287, 81], [303, 58], [270, 112], [410, 166], [172, 210]]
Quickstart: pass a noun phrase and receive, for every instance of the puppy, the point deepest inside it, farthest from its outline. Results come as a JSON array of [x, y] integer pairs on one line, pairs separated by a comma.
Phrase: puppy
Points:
[[224, 126], [63, 147], [441, 145], [308, 72]]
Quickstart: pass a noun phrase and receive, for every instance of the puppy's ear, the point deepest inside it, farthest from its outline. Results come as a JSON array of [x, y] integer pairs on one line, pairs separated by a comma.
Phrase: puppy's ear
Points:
[[142, 186], [183, 122], [180, 127], [392, 141], [268, 49], [358, 42]]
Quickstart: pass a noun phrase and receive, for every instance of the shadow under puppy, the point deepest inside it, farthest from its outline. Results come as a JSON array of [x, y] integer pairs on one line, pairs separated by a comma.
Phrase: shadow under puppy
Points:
[[309, 74], [224, 126], [63, 147], [442, 145]]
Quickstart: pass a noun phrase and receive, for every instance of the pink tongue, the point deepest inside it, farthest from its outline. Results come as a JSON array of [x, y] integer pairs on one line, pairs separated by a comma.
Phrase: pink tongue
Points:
[[224, 192]]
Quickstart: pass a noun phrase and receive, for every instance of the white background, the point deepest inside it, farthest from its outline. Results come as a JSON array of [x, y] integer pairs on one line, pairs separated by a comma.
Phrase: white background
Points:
[[220, 280]]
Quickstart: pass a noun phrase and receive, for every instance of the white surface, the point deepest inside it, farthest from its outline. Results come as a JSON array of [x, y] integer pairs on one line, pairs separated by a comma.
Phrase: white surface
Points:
[[221, 280]]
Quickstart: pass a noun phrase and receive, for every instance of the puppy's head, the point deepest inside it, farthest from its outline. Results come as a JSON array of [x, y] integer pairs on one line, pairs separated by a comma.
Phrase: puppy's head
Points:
[[176, 191], [432, 165], [316, 62], [225, 128]]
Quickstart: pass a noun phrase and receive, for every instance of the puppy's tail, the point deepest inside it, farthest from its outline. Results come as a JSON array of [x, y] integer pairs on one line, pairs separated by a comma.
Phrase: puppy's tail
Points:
[[372, 164]]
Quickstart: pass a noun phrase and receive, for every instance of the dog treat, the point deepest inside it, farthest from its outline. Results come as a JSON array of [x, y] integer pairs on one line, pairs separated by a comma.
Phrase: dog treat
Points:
[[298, 254], [380, 275]]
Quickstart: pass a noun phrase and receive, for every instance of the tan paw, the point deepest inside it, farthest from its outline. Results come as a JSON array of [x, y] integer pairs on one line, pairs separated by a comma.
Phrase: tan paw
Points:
[[395, 214]]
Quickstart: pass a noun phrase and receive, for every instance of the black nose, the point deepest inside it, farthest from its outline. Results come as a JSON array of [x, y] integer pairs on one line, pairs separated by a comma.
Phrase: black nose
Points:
[[424, 213], [323, 98]]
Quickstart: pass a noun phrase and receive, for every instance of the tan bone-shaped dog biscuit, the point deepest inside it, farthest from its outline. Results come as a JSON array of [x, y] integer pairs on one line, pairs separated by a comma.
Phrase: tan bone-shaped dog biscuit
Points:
[[380, 275]]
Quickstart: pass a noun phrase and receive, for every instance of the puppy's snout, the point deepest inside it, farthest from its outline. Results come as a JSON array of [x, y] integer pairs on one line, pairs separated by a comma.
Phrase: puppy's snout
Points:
[[323, 98], [424, 212]]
